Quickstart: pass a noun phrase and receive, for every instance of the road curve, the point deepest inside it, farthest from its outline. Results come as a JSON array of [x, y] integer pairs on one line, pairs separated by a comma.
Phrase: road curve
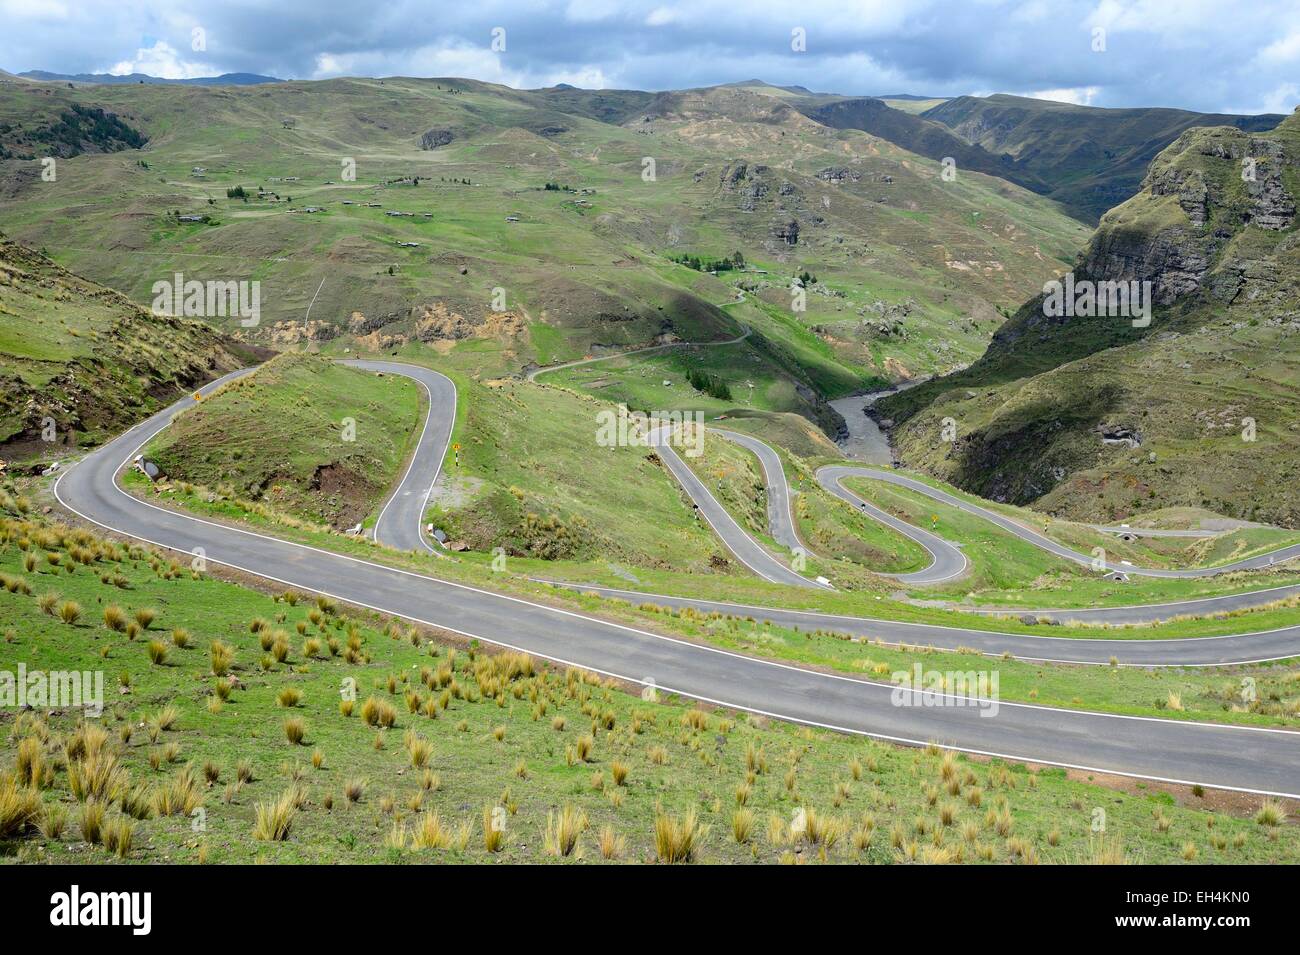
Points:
[[1263, 646], [1244, 758], [947, 562], [401, 520], [737, 540], [836, 474]]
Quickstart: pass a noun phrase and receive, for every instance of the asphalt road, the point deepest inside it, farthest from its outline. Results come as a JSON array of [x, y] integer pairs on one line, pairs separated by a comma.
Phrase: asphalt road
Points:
[[947, 562], [401, 520], [742, 546], [835, 474], [1257, 760]]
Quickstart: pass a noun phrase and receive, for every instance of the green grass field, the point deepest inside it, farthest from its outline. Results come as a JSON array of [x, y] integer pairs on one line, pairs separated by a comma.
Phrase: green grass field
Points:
[[484, 754], [302, 435]]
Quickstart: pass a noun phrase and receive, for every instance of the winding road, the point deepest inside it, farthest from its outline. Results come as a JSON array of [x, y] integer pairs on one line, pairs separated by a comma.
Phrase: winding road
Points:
[[1233, 757]]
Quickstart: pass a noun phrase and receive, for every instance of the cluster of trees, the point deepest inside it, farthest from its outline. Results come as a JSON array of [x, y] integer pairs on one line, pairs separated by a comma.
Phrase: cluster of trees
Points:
[[463, 182], [557, 187], [75, 131], [735, 261], [237, 192], [806, 278], [710, 385]]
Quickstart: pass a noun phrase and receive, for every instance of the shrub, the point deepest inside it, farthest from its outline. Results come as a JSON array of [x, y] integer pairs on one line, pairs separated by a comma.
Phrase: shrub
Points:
[[275, 819], [295, 730], [563, 830], [289, 697], [677, 840]]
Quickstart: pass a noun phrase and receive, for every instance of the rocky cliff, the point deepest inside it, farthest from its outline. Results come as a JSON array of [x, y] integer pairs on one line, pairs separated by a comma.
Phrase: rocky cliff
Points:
[[1206, 395]]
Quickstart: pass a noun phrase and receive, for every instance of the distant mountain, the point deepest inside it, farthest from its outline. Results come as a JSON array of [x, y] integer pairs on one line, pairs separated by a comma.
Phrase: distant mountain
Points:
[[918, 135], [1092, 158], [225, 79]]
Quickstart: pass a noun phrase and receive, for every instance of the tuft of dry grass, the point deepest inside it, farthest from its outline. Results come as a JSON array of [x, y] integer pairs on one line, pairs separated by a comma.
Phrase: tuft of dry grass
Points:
[[69, 612], [274, 819], [612, 845], [378, 712], [494, 828], [295, 730], [619, 770], [92, 822], [115, 618], [289, 697], [431, 832], [118, 835], [677, 840], [20, 807], [742, 824], [1271, 813], [562, 831]]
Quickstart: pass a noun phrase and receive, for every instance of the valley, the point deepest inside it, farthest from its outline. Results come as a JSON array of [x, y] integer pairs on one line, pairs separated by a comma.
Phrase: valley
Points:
[[388, 475]]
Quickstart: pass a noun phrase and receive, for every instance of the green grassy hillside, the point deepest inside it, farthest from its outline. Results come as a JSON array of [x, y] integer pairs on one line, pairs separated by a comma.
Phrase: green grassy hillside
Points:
[[302, 435], [1091, 158], [1203, 401], [503, 272], [79, 362]]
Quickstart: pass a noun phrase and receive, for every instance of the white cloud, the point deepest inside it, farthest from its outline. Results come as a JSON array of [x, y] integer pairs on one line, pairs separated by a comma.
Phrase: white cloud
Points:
[[34, 9], [661, 16], [588, 11], [1282, 99], [163, 61], [1285, 50], [1079, 95]]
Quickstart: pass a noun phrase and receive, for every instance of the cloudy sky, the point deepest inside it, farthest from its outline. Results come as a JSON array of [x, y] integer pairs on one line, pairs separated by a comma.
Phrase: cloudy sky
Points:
[[1198, 54]]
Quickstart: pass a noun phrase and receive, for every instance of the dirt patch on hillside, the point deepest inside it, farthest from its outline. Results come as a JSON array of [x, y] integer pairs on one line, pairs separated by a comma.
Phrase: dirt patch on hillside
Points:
[[344, 494], [436, 324]]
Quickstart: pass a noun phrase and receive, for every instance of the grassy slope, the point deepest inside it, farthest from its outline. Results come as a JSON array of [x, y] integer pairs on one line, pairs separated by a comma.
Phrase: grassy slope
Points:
[[698, 768], [533, 480], [87, 357], [579, 275], [1093, 158], [1219, 354], [282, 436]]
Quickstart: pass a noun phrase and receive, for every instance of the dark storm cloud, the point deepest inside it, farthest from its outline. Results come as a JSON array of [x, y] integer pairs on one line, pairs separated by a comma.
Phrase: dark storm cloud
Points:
[[1190, 53]]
